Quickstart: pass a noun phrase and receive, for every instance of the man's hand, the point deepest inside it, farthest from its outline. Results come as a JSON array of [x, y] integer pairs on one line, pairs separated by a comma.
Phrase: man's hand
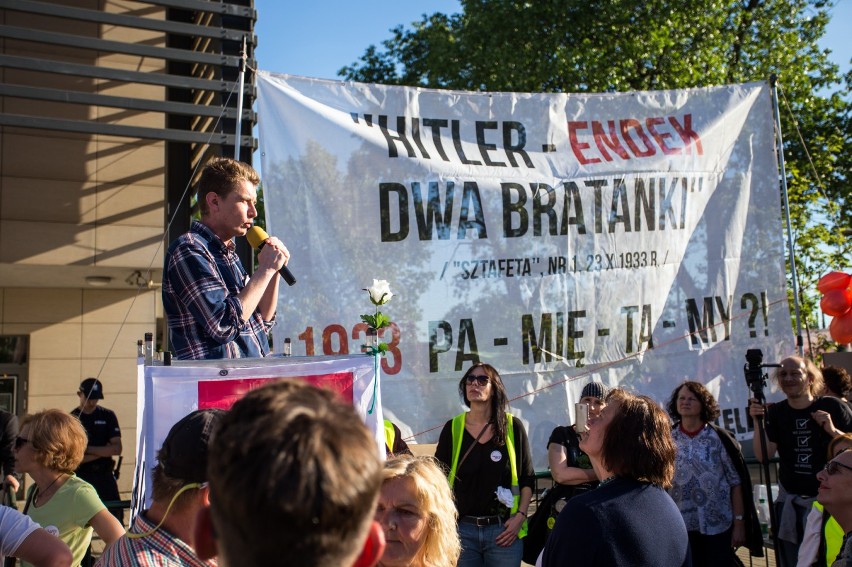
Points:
[[823, 418], [755, 408], [274, 255]]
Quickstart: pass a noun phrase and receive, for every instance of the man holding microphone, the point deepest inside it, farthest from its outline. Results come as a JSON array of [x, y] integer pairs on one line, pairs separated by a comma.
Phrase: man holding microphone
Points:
[[214, 309]]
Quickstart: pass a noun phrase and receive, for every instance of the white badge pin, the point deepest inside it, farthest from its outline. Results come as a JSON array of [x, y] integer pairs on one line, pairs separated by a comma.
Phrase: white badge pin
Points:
[[496, 456]]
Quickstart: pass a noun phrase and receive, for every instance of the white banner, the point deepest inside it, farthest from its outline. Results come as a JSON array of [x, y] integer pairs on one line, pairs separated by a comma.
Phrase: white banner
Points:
[[632, 238], [168, 393]]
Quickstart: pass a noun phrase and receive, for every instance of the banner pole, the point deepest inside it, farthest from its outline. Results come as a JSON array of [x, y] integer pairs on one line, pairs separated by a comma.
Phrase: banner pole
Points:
[[239, 127], [773, 83]]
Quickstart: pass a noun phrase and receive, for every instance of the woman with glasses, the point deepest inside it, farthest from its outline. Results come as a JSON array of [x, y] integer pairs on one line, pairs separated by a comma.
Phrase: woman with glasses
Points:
[[823, 535], [835, 493], [49, 448], [629, 519], [487, 454], [712, 485], [417, 514]]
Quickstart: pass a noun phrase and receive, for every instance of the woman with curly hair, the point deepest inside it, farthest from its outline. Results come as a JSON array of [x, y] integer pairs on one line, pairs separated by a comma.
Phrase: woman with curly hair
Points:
[[711, 486], [49, 448], [417, 513], [487, 454]]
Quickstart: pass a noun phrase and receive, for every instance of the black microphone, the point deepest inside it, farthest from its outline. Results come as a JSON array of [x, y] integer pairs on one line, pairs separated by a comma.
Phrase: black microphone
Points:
[[257, 238]]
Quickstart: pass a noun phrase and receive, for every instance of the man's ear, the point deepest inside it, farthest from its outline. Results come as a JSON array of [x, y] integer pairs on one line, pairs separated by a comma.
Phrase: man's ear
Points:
[[204, 494], [212, 200], [374, 546], [205, 534]]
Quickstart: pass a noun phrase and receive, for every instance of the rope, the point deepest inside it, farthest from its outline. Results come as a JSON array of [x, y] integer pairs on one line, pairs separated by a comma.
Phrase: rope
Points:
[[603, 366], [161, 245]]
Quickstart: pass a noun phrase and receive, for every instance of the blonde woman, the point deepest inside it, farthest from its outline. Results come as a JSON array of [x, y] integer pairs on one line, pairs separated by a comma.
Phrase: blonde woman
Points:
[[49, 448], [417, 513]]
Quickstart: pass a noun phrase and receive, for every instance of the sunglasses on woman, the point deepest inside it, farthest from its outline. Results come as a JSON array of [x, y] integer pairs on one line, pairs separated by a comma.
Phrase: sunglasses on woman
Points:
[[20, 442], [833, 467], [478, 380]]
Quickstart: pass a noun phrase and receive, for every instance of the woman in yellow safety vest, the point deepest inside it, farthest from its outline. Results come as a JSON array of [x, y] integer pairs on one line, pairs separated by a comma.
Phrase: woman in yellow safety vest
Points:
[[488, 455], [823, 535]]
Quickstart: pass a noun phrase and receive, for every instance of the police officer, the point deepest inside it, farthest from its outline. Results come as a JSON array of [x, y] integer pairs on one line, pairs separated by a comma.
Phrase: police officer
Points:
[[104, 434]]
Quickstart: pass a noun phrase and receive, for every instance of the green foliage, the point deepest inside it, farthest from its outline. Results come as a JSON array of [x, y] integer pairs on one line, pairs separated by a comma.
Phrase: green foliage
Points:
[[628, 45], [377, 321]]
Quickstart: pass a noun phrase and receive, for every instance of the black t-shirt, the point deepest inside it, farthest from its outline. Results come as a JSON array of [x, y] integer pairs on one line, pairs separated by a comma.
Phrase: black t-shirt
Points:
[[101, 425], [486, 468], [802, 442], [566, 436]]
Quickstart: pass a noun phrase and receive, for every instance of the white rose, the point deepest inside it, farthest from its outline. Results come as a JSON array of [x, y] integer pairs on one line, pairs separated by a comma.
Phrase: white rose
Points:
[[504, 495], [380, 292]]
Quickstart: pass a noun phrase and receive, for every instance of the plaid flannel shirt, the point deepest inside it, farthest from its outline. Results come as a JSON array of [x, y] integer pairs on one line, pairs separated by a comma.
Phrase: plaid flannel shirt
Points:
[[201, 279], [160, 549]]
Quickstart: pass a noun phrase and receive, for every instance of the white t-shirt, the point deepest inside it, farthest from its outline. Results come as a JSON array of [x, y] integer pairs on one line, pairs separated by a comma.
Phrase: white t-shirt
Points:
[[14, 529]]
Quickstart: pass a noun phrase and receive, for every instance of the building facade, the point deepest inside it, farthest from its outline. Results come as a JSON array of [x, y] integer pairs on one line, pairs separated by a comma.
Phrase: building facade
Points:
[[108, 108]]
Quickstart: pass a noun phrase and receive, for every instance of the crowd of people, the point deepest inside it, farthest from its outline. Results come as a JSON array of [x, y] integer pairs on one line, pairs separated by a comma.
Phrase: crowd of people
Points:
[[291, 475]]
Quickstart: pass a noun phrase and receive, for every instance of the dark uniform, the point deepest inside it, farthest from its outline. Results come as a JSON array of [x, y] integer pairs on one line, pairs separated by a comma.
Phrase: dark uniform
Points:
[[101, 425]]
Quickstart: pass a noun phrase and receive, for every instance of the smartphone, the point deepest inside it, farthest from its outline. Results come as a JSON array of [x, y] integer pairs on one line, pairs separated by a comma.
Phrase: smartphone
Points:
[[581, 411]]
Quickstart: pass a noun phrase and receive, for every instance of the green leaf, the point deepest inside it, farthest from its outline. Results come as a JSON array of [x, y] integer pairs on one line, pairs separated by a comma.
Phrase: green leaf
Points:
[[381, 320]]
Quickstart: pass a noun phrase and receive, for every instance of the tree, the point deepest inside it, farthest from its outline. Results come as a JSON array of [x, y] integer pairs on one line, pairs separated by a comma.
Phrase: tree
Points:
[[627, 45]]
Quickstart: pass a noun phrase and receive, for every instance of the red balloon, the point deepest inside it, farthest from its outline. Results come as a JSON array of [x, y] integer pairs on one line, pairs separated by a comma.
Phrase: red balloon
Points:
[[841, 328], [836, 302], [833, 280]]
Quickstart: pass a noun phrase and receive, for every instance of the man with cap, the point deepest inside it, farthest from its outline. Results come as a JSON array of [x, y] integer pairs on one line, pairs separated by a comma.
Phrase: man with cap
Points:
[[163, 535], [104, 435]]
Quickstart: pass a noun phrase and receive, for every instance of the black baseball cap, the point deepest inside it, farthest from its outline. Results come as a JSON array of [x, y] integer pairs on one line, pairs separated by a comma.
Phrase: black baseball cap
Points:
[[92, 389], [183, 455]]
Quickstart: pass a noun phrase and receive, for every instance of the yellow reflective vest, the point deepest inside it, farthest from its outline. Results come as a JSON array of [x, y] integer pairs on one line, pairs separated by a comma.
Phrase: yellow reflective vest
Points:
[[458, 431]]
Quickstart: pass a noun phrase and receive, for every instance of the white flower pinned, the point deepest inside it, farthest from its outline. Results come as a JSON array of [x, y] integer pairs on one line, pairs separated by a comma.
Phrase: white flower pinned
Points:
[[504, 495]]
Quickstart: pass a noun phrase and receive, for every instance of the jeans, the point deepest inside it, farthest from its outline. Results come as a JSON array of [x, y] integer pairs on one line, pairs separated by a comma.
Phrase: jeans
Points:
[[480, 550]]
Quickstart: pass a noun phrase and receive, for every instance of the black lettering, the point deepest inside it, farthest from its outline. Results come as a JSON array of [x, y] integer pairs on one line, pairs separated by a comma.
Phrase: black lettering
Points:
[[572, 197], [644, 202], [387, 234], [572, 336], [437, 346], [415, 133], [516, 207], [544, 208], [537, 345], [619, 200], [398, 137], [484, 147], [701, 325], [435, 125], [457, 142], [512, 149], [666, 209], [442, 217], [471, 200], [466, 336]]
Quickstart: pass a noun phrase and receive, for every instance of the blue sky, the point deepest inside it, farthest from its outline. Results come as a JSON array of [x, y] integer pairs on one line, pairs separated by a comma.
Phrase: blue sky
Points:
[[316, 38]]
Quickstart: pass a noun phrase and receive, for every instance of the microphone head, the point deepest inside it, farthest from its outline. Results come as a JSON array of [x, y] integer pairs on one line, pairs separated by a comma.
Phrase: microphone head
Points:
[[256, 236]]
